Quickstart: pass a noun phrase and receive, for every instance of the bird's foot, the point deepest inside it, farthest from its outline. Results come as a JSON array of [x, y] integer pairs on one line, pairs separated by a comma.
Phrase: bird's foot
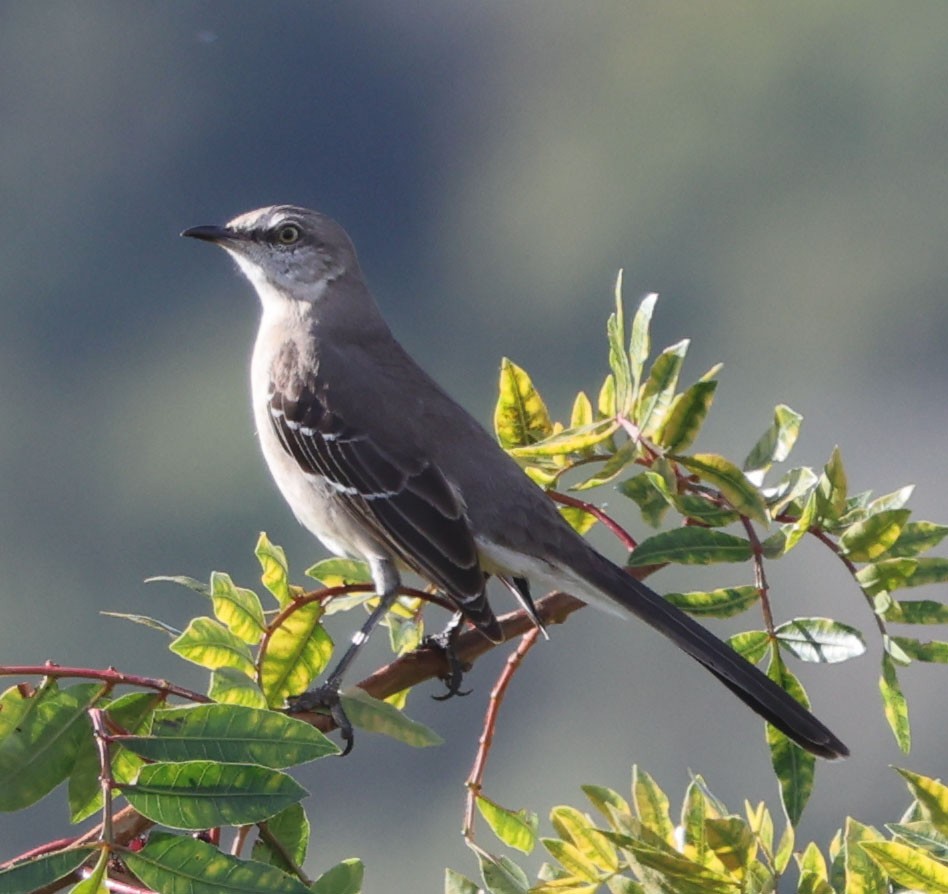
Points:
[[445, 642], [325, 700]]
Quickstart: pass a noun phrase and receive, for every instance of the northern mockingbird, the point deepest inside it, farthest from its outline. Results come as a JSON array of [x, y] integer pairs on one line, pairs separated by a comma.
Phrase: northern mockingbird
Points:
[[380, 464]]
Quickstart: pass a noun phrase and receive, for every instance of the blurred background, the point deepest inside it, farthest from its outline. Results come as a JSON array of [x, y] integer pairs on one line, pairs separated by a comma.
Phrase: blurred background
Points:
[[777, 173]]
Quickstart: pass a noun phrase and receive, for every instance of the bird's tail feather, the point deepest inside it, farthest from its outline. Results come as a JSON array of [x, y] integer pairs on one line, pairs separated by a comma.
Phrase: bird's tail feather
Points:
[[746, 681]]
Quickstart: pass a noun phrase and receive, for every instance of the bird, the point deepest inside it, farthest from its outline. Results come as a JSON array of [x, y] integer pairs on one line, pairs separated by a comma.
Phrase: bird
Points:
[[379, 463]]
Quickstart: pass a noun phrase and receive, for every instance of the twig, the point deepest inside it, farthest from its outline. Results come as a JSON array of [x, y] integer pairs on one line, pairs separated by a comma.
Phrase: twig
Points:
[[475, 779]]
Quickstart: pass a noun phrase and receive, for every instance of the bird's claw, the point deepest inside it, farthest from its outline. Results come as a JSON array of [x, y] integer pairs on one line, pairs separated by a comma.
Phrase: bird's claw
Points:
[[325, 700], [444, 642]]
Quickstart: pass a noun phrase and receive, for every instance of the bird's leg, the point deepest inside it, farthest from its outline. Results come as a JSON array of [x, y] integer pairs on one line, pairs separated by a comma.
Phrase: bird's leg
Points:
[[325, 697], [445, 642]]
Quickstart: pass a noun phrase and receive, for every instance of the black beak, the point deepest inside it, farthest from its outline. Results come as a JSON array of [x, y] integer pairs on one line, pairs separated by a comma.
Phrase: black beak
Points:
[[211, 234]]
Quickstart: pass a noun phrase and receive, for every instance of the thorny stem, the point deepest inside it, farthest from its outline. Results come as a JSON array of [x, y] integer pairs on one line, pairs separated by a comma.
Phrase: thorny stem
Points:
[[110, 676], [760, 576], [102, 739], [475, 779]]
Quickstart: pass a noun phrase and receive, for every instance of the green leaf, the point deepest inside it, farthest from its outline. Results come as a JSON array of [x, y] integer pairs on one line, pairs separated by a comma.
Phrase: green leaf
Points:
[[691, 546], [291, 829], [796, 485], [40, 737], [800, 528], [207, 643], [204, 794], [131, 712], [932, 797], [28, 876], [93, 883], [832, 488], [916, 538], [238, 608], [731, 840], [455, 883], [343, 878], [894, 704], [275, 574], [175, 865], [811, 860], [515, 828], [810, 883], [230, 686], [182, 580], [868, 540], [793, 766], [336, 572], [909, 867], [750, 644], [775, 444], [886, 575], [610, 469], [297, 653], [642, 490], [618, 357], [935, 651], [862, 874], [610, 804], [640, 343], [722, 603], [922, 834], [569, 441], [730, 481], [144, 621], [658, 390], [686, 416], [376, 716], [230, 734], [820, 640], [502, 876], [520, 417], [578, 830]]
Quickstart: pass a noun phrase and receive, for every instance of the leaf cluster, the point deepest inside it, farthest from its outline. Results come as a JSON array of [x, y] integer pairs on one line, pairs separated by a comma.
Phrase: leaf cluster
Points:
[[634, 845], [637, 436]]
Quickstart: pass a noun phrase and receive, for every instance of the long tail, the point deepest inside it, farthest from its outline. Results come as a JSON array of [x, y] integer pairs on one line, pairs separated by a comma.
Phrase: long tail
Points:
[[748, 683]]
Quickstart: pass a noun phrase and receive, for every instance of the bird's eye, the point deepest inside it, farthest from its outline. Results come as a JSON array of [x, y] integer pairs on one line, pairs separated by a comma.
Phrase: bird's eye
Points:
[[288, 234]]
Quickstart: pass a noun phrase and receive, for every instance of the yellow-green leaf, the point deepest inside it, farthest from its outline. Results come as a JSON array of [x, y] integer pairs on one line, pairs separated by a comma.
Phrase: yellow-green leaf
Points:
[[651, 805], [274, 570], [237, 607], [775, 444], [521, 416], [640, 345], [691, 546], [515, 828], [582, 413], [575, 827], [793, 766], [909, 867], [894, 704], [932, 796], [686, 416], [297, 653], [731, 481], [208, 643], [868, 540], [568, 441], [722, 603], [658, 390], [377, 716], [862, 874]]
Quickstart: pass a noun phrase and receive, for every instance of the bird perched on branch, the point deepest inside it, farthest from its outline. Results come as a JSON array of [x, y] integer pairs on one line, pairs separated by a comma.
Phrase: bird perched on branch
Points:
[[378, 462]]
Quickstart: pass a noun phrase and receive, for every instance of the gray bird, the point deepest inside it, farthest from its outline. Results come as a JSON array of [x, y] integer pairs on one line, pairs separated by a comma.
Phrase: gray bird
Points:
[[378, 462]]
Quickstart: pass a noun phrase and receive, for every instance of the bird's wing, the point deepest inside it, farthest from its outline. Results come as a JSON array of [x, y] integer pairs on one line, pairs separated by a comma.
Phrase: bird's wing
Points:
[[404, 500]]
